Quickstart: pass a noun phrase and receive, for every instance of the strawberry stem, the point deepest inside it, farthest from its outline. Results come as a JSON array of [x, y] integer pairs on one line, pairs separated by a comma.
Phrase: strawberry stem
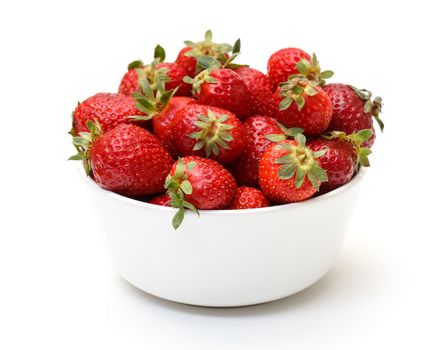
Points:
[[177, 187]]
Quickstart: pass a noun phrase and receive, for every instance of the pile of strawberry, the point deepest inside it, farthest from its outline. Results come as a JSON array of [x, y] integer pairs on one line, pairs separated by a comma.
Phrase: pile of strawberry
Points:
[[206, 133]]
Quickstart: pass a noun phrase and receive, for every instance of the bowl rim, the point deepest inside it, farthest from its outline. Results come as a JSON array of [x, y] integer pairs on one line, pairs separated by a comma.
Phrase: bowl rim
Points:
[[311, 201]]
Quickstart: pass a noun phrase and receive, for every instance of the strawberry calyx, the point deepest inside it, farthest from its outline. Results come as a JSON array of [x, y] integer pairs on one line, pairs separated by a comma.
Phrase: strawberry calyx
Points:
[[295, 89], [300, 162], [154, 74], [370, 106], [303, 84], [356, 140], [212, 51], [211, 63], [151, 71], [177, 187], [151, 99], [312, 71], [203, 77], [83, 143], [208, 63], [135, 64], [287, 133], [213, 133]]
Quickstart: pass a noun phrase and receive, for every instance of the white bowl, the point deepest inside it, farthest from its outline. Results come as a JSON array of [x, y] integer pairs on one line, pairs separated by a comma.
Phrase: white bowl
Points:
[[225, 257]]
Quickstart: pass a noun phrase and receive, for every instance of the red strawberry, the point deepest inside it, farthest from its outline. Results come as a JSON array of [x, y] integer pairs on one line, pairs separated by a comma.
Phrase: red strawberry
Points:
[[245, 168], [339, 161], [247, 198], [162, 123], [127, 159], [170, 74], [199, 183], [208, 132], [222, 88], [129, 82], [163, 200], [152, 100], [307, 107], [353, 110], [282, 64], [290, 171], [107, 108], [176, 74], [260, 90], [188, 56], [342, 156], [188, 63]]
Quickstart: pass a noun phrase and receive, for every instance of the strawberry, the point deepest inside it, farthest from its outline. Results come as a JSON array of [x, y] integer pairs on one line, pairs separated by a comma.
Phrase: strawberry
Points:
[[127, 159], [290, 171], [162, 123], [163, 200], [248, 198], [342, 156], [169, 73], [353, 110], [129, 82], [312, 110], [208, 132], [260, 90], [245, 168], [303, 104], [222, 87], [107, 108], [199, 183], [176, 74], [188, 63], [283, 62], [189, 55], [152, 100]]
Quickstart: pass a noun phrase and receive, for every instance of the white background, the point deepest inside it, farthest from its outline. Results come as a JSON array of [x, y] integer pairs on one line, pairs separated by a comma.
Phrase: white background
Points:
[[57, 290]]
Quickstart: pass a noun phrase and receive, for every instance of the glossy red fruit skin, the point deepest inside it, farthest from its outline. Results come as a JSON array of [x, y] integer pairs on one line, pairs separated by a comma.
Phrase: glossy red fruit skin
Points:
[[339, 161], [245, 168], [108, 109], [129, 83], [130, 161], [187, 63], [314, 118], [248, 198], [260, 90], [283, 62], [162, 123], [183, 126], [229, 92], [213, 186], [278, 190], [163, 200], [176, 74], [347, 111]]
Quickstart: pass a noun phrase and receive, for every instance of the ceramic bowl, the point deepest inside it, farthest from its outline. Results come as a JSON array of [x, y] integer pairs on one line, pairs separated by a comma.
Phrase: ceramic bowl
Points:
[[225, 258]]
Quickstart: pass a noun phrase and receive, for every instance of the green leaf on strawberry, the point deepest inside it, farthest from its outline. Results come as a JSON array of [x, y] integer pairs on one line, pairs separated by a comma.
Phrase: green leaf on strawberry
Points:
[[83, 143], [299, 161], [213, 133], [356, 140]]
